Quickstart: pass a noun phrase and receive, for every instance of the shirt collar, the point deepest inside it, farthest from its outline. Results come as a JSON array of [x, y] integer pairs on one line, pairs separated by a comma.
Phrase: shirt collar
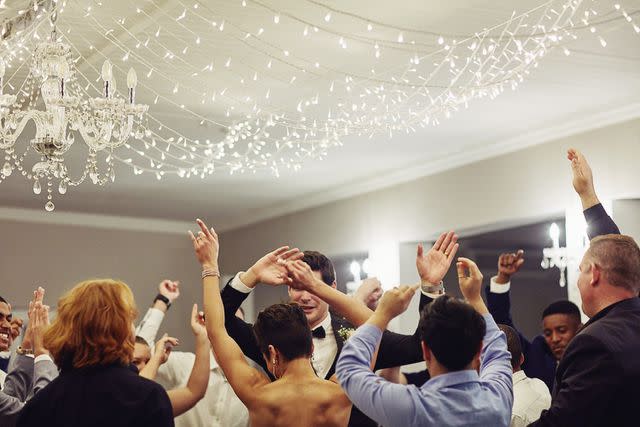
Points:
[[326, 323], [452, 378], [519, 376], [606, 310]]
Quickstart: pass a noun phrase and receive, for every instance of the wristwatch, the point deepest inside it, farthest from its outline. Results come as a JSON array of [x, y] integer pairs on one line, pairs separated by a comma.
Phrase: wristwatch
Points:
[[163, 299], [430, 288], [24, 351]]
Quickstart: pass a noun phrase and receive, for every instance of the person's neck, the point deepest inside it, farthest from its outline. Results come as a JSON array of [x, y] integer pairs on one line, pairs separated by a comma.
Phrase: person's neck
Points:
[[297, 368], [612, 295], [319, 322], [436, 369]]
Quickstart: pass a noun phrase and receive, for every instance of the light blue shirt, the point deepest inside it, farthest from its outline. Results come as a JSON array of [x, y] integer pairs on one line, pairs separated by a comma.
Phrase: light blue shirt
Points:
[[461, 398]]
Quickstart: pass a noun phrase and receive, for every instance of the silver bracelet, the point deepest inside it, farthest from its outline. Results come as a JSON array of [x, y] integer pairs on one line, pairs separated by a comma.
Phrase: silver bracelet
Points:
[[429, 288], [210, 273]]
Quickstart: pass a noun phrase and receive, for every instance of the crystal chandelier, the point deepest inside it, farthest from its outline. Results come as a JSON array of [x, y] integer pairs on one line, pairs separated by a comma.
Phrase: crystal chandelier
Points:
[[52, 100]]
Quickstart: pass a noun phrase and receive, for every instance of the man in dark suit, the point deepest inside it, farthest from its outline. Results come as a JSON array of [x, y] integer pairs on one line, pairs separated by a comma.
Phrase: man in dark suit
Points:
[[597, 379], [330, 330], [543, 353]]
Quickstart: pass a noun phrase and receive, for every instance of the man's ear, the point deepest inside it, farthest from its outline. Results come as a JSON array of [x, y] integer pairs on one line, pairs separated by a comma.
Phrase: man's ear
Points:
[[273, 354], [596, 274], [426, 352]]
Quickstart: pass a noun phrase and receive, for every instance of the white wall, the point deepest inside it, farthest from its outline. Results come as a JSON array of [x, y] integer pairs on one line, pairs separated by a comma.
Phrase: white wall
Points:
[[627, 216]]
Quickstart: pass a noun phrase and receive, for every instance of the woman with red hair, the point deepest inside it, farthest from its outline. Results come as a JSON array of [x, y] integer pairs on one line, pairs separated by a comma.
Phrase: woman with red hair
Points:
[[92, 341]]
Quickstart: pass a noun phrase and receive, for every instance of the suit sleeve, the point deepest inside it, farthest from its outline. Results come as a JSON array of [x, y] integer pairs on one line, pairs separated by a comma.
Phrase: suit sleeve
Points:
[[587, 364], [599, 222], [45, 371], [16, 389], [238, 329], [19, 380], [399, 349]]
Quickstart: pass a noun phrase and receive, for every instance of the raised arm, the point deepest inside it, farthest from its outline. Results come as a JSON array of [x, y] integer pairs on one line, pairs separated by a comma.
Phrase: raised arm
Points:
[[168, 292], [269, 270], [352, 309], [498, 299], [365, 389], [598, 221], [160, 356], [184, 398], [242, 377], [495, 360]]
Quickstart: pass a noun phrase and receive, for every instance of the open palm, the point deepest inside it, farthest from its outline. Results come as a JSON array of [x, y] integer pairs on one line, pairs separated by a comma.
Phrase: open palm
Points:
[[433, 265], [271, 268]]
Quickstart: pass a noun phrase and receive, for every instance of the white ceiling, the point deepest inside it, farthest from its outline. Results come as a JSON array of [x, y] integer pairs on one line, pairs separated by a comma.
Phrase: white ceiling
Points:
[[593, 86]]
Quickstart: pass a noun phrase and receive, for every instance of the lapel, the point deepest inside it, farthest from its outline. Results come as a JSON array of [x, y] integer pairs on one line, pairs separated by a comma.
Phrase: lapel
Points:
[[337, 322]]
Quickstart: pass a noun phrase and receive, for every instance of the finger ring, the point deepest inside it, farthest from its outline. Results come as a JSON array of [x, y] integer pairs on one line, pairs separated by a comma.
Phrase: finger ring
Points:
[[446, 254]]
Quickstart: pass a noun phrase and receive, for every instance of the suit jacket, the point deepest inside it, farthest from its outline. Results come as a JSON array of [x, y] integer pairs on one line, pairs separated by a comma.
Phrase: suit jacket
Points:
[[539, 362], [395, 349], [98, 396], [598, 379], [20, 383]]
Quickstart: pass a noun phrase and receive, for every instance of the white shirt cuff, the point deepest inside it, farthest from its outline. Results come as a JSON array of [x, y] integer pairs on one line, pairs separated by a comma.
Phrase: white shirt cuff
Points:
[[43, 357], [497, 288], [432, 296], [237, 284]]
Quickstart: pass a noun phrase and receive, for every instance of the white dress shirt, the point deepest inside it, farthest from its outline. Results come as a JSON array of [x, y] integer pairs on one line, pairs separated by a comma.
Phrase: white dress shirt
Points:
[[220, 406], [324, 349], [530, 397]]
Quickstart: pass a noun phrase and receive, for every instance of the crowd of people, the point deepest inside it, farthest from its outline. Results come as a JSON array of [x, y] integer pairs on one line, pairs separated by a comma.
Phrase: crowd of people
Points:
[[328, 359]]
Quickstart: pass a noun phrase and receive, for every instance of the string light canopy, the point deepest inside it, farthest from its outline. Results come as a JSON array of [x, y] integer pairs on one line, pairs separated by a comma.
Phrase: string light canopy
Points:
[[265, 101]]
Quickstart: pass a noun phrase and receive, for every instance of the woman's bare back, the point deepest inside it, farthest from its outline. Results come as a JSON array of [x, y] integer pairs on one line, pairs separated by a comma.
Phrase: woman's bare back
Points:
[[306, 403]]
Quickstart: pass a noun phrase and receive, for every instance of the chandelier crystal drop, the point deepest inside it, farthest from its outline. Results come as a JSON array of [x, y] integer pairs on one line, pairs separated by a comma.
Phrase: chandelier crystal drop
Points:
[[50, 104]]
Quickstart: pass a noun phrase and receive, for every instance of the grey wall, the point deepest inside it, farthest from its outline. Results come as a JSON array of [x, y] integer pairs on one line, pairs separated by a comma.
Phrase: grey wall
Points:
[[627, 215], [58, 256]]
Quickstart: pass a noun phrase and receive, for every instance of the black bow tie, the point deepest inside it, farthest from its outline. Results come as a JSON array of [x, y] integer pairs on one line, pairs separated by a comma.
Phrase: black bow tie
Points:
[[319, 332]]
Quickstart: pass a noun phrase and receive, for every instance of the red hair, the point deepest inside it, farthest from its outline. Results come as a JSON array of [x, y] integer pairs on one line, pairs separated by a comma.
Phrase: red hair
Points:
[[93, 325]]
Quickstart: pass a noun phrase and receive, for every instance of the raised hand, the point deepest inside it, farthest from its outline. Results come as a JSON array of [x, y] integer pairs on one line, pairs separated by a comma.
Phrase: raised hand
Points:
[[369, 292], [206, 246], [395, 301], [197, 323], [508, 265], [271, 269], [169, 289], [433, 265], [301, 276], [163, 348], [471, 283], [38, 298], [582, 178], [38, 322]]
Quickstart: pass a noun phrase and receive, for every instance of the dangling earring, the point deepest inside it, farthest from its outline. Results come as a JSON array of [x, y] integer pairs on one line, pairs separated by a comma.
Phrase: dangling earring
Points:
[[275, 368]]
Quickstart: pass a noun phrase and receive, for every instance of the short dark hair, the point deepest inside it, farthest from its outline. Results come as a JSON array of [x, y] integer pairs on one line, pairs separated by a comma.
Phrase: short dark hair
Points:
[[285, 327], [513, 345], [140, 340], [453, 330], [321, 263], [562, 307]]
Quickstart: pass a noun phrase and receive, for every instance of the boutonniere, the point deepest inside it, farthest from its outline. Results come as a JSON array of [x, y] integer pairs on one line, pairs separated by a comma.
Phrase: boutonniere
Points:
[[345, 333]]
